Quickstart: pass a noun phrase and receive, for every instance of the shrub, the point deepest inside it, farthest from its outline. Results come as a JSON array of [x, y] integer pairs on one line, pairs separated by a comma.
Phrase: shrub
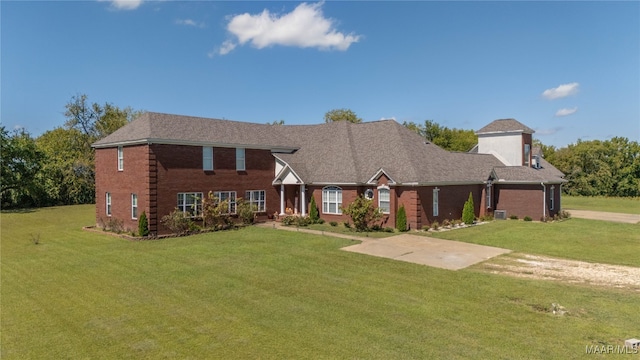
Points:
[[401, 219], [347, 224], [333, 223], [303, 221], [320, 221], [513, 217], [425, 227], [115, 225], [468, 214], [362, 213], [457, 222], [527, 218], [446, 223], [389, 229], [214, 212], [435, 225], [314, 216], [289, 220], [245, 211], [564, 214], [177, 222], [143, 225]]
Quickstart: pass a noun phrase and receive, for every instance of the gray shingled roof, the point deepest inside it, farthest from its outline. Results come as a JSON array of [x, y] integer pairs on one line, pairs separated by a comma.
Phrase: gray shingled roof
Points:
[[505, 125], [334, 153], [166, 128]]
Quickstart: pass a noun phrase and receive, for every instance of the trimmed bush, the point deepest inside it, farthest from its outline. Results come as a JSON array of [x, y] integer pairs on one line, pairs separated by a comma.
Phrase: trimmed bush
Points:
[[245, 211], [527, 218], [468, 214], [362, 213], [401, 219], [314, 216], [333, 223], [143, 225], [177, 222], [513, 217]]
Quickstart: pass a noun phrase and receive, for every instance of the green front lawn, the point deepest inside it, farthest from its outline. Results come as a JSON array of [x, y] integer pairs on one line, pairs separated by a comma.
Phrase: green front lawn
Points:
[[578, 239], [600, 203], [262, 293]]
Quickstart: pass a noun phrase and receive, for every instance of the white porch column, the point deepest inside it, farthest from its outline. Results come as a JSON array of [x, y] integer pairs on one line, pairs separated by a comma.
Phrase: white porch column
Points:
[[303, 201], [281, 199]]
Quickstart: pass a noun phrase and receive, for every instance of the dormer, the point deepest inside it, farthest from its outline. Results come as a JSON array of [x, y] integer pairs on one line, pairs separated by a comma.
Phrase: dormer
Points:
[[508, 140]]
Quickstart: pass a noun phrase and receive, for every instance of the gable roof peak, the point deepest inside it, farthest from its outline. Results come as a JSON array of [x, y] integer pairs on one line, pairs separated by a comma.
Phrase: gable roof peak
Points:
[[505, 125]]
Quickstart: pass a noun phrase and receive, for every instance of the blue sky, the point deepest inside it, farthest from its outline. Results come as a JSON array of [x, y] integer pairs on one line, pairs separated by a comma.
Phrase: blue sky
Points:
[[569, 70]]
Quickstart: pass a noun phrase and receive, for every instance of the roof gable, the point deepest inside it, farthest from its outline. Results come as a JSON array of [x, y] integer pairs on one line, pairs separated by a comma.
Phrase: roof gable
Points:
[[505, 125]]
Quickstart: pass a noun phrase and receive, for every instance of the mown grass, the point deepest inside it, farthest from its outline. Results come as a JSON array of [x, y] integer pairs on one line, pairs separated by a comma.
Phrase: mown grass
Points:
[[262, 293], [578, 239], [600, 203]]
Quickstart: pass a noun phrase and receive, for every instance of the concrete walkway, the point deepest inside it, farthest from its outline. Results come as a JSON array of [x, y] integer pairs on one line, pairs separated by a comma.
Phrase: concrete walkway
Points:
[[444, 254], [606, 216]]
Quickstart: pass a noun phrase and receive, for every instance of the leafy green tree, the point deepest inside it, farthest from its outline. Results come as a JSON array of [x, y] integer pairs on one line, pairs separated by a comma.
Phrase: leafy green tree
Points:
[[20, 163], [401, 219], [314, 215], [446, 138], [468, 213], [276, 122], [341, 115], [362, 213]]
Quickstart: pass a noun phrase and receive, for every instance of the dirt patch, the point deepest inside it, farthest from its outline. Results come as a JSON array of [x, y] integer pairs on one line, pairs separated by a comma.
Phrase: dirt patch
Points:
[[568, 271]]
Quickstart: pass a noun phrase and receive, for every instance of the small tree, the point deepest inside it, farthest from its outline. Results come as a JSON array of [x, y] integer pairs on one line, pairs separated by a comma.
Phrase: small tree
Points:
[[214, 212], [177, 222], [314, 216], [245, 211], [143, 225], [362, 212], [468, 215], [401, 219]]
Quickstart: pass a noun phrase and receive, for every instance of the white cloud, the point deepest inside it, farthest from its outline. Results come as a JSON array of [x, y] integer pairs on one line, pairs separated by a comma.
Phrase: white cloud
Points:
[[189, 22], [566, 111], [303, 27], [561, 91], [388, 118], [124, 4]]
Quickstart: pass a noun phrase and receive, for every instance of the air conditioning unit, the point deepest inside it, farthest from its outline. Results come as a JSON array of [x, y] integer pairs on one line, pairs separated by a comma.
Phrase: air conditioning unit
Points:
[[500, 214]]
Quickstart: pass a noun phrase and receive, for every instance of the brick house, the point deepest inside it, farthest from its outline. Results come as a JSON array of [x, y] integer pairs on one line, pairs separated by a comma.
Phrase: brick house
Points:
[[160, 162]]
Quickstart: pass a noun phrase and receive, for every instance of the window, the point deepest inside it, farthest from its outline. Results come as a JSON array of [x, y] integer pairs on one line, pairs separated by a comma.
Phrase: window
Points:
[[332, 200], [527, 151], [120, 158], [552, 197], [190, 203], [384, 199], [229, 196], [436, 191], [108, 202], [240, 163], [134, 206], [488, 195], [207, 158], [256, 199]]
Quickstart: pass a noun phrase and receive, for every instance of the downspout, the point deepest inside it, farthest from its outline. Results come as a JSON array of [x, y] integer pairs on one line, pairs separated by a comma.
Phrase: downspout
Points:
[[544, 200]]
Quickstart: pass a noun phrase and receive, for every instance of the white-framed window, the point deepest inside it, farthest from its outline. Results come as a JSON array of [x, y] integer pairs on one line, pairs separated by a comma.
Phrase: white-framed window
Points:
[[436, 207], [120, 158], [190, 203], [527, 155], [384, 199], [207, 158], [488, 200], [230, 197], [240, 159], [134, 206], [332, 200], [107, 198], [256, 198], [552, 197]]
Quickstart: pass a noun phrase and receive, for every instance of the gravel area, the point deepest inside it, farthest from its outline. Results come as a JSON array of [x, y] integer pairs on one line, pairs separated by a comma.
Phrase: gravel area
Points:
[[569, 271]]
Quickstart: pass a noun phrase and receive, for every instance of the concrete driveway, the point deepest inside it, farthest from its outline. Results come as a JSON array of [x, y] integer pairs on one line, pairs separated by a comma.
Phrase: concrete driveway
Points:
[[445, 254]]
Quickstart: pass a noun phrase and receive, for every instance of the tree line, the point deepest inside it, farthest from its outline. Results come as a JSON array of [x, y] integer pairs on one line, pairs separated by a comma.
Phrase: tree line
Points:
[[57, 167]]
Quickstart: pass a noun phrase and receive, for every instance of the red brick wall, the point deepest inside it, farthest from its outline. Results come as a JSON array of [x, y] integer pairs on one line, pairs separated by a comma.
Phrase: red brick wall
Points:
[[134, 179], [180, 170], [520, 200], [451, 201]]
